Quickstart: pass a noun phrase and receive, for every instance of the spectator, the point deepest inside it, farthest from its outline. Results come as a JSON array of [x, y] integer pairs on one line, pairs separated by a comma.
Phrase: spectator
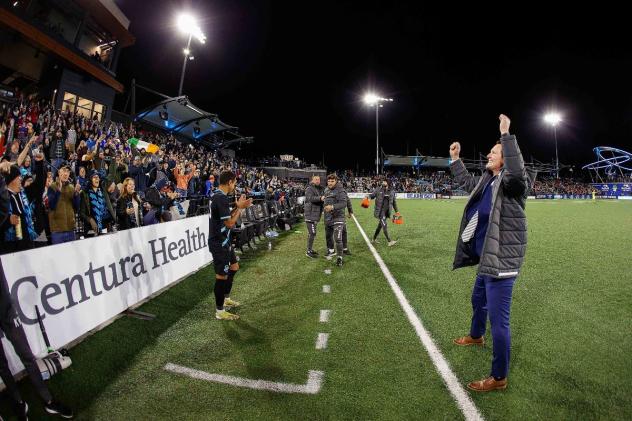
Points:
[[63, 203], [139, 171], [210, 185], [195, 184], [182, 178], [18, 231], [57, 151], [117, 169], [81, 177], [95, 207], [71, 139], [129, 209]]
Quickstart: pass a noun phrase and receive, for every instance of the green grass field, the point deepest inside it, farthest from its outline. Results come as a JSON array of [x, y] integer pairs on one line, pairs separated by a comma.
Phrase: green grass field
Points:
[[571, 315]]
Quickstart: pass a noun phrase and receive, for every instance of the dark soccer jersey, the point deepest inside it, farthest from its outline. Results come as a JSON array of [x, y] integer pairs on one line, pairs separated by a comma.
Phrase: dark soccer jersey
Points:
[[220, 212]]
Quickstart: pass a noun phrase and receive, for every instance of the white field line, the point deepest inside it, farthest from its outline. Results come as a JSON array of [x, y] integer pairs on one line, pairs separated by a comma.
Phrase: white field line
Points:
[[321, 340], [326, 289], [459, 394], [324, 316], [312, 387]]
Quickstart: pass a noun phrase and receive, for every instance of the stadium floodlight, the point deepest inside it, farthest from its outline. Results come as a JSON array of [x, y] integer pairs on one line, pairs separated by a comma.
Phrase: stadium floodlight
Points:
[[372, 99], [554, 119], [187, 24]]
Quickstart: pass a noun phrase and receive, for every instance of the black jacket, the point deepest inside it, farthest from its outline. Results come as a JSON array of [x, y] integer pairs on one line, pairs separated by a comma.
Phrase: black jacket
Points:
[[124, 220], [156, 199], [313, 204], [4, 201], [505, 242], [337, 197], [383, 208]]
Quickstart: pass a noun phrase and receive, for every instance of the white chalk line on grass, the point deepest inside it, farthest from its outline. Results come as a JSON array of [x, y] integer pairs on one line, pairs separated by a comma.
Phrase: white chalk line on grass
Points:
[[324, 316], [312, 387], [465, 404], [321, 340]]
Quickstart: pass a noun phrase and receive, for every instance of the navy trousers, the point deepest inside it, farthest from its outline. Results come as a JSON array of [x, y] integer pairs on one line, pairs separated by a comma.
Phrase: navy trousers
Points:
[[491, 296]]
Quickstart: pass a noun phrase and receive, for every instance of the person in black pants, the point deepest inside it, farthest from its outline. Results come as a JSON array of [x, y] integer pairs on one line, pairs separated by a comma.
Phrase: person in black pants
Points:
[[385, 203], [345, 245], [12, 329], [313, 211], [221, 222], [335, 201]]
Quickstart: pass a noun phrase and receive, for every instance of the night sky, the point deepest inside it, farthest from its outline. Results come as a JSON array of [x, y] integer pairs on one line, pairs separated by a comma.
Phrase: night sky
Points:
[[292, 74]]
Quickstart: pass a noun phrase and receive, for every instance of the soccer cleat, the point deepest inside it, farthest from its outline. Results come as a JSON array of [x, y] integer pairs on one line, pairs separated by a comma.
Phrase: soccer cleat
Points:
[[231, 303], [346, 252], [311, 254], [375, 241], [330, 254], [339, 261], [392, 243], [224, 315], [58, 408]]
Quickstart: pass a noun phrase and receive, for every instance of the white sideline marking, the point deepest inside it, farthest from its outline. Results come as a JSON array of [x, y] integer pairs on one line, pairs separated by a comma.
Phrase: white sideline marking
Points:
[[312, 387], [326, 289], [324, 316], [321, 341], [462, 399]]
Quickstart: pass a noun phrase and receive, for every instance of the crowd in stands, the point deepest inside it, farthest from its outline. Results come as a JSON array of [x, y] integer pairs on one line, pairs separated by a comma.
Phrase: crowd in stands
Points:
[[561, 186], [280, 161], [441, 182], [428, 182], [69, 176]]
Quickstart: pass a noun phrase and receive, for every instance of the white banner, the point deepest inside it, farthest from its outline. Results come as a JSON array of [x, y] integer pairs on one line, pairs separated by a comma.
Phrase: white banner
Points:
[[416, 196], [80, 285], [354, 195]]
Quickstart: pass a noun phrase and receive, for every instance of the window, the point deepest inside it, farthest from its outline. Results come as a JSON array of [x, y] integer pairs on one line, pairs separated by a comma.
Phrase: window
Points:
[[83, 106], [69, 102]]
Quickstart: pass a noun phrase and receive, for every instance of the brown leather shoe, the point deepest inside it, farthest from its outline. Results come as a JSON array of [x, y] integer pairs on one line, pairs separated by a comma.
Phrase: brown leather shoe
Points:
[[468, 340], [488, 384]]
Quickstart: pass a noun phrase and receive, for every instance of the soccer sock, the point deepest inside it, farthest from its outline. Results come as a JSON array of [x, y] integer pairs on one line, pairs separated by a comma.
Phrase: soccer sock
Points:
[[219, 293], [229, 283]]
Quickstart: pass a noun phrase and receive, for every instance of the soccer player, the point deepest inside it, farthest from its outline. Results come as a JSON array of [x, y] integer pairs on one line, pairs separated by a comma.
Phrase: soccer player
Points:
[[221, 221]]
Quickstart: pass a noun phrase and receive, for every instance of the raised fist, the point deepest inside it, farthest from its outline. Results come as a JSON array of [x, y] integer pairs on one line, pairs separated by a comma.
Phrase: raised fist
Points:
[[504, 124], [455, 150]]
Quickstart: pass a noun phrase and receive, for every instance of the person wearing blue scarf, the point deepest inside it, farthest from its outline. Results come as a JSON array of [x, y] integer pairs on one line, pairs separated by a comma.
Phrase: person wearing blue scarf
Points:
[[17, 233], [96, 209]]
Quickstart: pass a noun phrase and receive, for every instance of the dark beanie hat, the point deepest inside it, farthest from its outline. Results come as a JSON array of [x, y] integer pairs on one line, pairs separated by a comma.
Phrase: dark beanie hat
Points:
[[14, 172]]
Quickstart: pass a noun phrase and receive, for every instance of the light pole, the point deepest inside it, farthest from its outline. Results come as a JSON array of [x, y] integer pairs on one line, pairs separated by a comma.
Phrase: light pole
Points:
[[554, 119], [374, 100], [187, 25]]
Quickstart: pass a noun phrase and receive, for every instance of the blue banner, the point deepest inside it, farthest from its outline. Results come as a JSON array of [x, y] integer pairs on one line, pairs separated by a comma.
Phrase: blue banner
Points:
[[613, 189], [563, 196]]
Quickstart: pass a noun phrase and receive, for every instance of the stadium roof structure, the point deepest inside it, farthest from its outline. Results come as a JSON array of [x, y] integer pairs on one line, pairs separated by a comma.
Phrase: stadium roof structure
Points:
[[610, 161], [177, 115]]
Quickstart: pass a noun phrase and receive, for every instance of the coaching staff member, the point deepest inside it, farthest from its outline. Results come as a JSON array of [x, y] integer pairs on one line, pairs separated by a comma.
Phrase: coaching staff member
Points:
[[493, 234]]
